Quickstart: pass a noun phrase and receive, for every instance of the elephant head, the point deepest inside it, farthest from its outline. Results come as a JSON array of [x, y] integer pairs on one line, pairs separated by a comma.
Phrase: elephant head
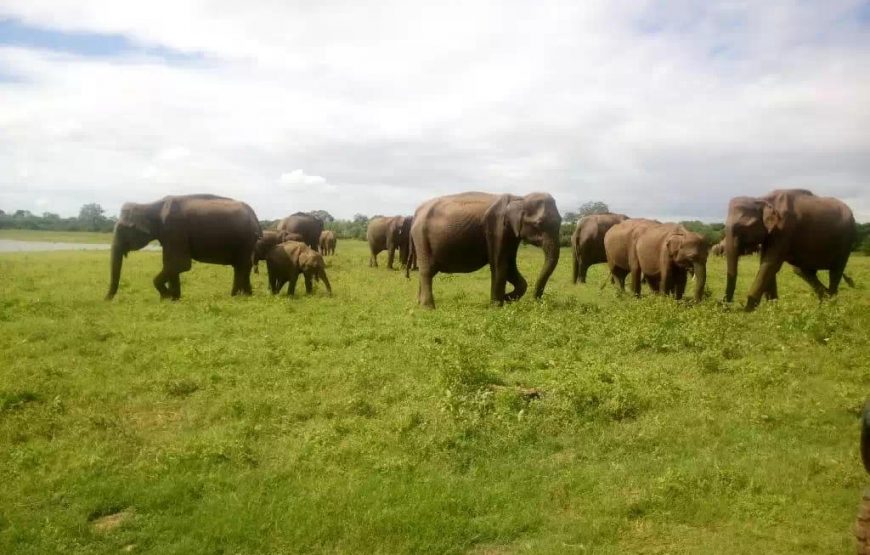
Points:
[[689, 250], [534, 219], [400, 227], [750, 223], [314, 268], [138, 225]]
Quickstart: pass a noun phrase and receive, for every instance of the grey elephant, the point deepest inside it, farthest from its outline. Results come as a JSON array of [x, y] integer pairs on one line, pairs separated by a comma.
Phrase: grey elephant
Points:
[[665, 254], [587, 242], [269, 239], [205, 228], [327, 242], [389, 234], [464, 232], [791, 225], [718, 249], [306, 225], [287, 260], [619, 242]]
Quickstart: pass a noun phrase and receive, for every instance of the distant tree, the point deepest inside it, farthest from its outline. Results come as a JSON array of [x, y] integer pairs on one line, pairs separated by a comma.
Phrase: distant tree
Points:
[[50, 216], [323, 215], [593, 207], [2, 213], [360, 219], [22, 214], [91, 217], [570, 218]]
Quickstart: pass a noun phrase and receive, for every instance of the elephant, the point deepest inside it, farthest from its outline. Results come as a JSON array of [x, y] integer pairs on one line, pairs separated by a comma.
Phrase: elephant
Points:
[[327, 242], [587, 242], [205, 228], [792, 225], [269, 239], [862, 524], [665, 254], [306, 225], [285, 261], [389, 234], [619, 241], [462, 233], [718, 249]]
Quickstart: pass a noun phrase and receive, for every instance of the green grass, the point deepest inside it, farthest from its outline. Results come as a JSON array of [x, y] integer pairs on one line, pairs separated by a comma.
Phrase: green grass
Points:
[[56, 236], [362, 424]]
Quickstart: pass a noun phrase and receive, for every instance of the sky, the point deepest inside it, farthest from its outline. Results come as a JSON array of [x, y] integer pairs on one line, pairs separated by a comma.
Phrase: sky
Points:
[[660, 109]]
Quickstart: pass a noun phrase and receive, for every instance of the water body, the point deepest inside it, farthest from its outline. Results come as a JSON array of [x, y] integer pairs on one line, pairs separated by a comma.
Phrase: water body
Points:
[[11, 245]]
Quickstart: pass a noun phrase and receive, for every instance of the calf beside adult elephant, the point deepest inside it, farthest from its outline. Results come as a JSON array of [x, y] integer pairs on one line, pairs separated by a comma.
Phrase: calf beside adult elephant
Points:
[[587, 242], [205, 228], [306, 225], [792, 225], [462, 233], [389, 234], [327, 242]]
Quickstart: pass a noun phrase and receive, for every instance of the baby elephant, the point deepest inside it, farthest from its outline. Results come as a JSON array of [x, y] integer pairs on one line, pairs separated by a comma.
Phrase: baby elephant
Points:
[[287, 260]]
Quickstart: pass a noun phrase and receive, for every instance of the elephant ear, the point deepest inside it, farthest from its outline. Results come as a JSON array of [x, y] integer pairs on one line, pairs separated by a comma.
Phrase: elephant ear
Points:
[[174, 236], [504, 216], [674, 243], [135, 216], [771, 217]]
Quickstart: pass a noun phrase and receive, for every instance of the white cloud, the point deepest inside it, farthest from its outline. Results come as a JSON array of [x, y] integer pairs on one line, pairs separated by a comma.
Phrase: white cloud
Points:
[[663, 109]]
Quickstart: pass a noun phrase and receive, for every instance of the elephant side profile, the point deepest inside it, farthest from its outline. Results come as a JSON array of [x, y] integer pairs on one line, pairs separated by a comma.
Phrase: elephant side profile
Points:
[[665, 255], [587, 242], [389, 234], [462, 233], [718, 249], [205, 228], [792, 225], [306, 225], [619, 242], [327, 242], [285, 261]]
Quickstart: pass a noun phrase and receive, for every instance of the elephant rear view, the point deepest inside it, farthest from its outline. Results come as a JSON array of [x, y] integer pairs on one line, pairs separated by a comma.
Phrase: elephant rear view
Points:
[[389, 234], [619, 242], [464, 232], [792, 225], [587, 242], [327, 242], [306, 225], [206, 228]]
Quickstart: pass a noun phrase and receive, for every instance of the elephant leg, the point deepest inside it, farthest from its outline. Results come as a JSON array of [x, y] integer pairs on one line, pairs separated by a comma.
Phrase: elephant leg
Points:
[[680, 280], [575, 269], [811, 277], [175, 286], [391, 256], [373, 260], [834, 276], [620, 275], [309, 286], [291, 285], [584, 267], [772, 292], [425, 294], [160, 281], [238, 281], [516, 279], [635, 281], [655, 284]]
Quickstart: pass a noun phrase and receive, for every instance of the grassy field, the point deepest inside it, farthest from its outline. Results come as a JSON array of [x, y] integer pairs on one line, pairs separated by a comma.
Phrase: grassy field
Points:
[[362, 424], [56, 236]]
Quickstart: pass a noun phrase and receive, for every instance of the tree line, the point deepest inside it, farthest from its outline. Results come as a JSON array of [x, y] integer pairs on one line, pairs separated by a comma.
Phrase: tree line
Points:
[[92, 217]]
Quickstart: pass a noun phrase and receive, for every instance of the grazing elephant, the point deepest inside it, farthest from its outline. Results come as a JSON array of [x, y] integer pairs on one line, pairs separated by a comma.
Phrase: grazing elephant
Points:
[[718, 249], [619, 242], [665, 254], [389, 234], [792, 225], [327, 242], [587, 242], [287, 260], [306, 225], [464, 232], [206, 228]]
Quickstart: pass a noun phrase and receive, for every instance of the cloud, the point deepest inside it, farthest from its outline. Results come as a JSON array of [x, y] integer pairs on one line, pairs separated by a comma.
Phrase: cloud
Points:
[[663, 109]]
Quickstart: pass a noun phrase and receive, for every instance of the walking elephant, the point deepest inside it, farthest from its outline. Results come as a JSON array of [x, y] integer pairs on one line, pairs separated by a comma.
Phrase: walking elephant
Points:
[[464, 232], [664, 255], [306, 225], [619, 241], [792, 225], [269, 239], [587, 242], [327, 242], [286, 261], [389, 234], [205, 228]]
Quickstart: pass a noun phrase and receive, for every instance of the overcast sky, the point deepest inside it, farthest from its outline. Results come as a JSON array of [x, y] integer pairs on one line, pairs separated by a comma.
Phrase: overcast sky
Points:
[[659, 108]]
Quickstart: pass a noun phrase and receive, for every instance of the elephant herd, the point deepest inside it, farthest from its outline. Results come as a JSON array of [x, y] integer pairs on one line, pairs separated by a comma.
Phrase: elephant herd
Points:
[[464, 232]]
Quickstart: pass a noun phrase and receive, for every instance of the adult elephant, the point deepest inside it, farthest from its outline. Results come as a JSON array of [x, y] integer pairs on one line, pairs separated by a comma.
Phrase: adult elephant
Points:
[[792, 225], [327, 242], [389, 234], [664, 255], [619, 242], [464, 232], [306, 225], [205, 228], [587, 242], [862, 524]]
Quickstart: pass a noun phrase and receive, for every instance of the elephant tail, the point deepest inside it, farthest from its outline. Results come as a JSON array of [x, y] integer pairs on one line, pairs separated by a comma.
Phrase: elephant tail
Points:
[[412, 258]]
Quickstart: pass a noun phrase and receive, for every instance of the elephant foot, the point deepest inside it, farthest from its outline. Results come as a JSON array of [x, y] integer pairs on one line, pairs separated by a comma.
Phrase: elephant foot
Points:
[[751, 304]]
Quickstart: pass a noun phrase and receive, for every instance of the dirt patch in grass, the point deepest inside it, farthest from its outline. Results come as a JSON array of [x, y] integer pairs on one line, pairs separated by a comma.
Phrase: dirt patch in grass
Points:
[[106, 523]]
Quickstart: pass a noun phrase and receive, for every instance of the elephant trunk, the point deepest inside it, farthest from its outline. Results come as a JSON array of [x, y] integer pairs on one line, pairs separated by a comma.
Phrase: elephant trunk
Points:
[[321, 274], [731, 255], [116, 261], [550, 245], [700, 280]]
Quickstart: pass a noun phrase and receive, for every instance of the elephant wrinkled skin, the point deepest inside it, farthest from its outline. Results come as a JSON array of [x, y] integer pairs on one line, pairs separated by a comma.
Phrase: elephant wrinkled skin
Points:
[[462, 233], [205, 228]]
